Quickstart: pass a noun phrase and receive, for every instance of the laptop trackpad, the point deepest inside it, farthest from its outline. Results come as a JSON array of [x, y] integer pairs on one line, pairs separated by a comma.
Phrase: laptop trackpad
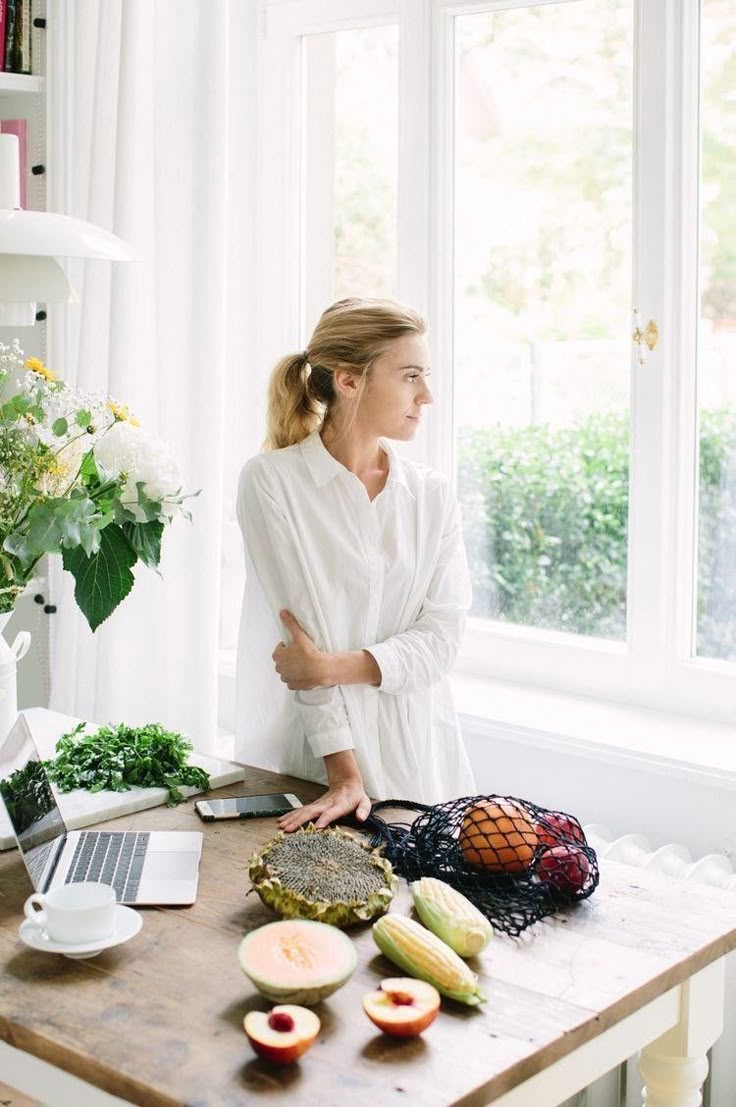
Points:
[[170, 866]]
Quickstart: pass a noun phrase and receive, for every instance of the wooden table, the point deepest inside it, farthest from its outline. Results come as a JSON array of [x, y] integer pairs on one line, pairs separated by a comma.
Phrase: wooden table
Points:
[[158, 1020]]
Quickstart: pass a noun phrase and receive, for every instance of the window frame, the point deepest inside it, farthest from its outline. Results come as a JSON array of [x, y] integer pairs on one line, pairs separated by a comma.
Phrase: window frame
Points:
[[654, 667]]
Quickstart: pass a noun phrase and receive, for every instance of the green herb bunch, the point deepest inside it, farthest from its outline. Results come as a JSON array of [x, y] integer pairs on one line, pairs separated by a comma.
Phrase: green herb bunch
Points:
[[121, 757]]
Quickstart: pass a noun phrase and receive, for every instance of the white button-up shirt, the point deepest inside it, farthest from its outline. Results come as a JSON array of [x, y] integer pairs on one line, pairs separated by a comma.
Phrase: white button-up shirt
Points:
[[387, 575]]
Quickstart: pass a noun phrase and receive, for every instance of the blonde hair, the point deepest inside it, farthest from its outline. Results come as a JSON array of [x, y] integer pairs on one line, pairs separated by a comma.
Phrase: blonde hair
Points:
[[350, 334]]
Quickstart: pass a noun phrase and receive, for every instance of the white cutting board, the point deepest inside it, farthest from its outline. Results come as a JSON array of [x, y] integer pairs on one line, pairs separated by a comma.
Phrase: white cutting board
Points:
[[81, 808]]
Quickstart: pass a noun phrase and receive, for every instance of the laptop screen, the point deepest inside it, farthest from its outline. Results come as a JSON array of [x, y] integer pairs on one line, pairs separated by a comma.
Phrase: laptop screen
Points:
[[30, 802]]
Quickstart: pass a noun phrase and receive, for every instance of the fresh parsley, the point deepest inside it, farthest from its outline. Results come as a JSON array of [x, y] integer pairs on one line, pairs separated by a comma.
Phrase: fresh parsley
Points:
[[121, 757]]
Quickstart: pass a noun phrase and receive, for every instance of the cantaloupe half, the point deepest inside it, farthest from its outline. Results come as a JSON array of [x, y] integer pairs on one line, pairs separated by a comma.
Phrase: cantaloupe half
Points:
[[297, 960]]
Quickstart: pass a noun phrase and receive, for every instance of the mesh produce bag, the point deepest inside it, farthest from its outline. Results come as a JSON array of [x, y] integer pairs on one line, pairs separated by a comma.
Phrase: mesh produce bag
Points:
[[516, 861]]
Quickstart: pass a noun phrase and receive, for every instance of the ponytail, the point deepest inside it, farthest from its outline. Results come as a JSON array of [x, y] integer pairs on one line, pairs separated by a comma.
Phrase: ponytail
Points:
[[293, 410]]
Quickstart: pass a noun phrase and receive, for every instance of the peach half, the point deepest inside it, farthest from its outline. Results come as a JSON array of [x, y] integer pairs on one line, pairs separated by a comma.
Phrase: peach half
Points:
[[402, 1006], [283, 1034]]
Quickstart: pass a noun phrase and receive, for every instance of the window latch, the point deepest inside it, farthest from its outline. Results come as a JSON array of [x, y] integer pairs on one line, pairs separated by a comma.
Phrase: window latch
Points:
[[645, 339]]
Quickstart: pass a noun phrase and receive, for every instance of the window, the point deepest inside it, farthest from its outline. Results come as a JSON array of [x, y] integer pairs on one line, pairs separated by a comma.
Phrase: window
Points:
[[350, 163], [716, 348], [543, 232], [551, 182]]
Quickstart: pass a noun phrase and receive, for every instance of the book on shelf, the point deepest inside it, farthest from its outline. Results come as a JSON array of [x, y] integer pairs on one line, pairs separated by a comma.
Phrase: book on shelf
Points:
[[9, 33], [3, 15], [17, 36], [19, 127]]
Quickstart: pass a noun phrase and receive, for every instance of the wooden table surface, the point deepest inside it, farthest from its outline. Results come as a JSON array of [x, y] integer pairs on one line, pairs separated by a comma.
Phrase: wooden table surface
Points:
[[158, 1020]]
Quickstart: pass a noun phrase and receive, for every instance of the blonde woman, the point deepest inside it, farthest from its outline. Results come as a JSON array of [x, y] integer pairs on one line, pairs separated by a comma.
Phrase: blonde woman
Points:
[[357, 584]]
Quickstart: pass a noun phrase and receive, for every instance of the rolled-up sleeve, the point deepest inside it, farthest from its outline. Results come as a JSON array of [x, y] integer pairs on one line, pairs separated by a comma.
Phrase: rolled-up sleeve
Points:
[[282, 571], [419, 656]]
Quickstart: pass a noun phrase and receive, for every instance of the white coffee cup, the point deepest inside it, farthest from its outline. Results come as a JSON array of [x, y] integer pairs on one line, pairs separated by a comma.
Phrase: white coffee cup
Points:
[[74, 914]]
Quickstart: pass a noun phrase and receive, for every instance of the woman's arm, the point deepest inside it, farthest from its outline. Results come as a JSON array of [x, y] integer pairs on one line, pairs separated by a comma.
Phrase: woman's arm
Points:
[[409, 661], [345, 793]]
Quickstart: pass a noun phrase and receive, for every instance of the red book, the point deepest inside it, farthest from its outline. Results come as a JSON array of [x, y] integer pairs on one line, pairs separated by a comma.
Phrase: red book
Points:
[[18, 127]]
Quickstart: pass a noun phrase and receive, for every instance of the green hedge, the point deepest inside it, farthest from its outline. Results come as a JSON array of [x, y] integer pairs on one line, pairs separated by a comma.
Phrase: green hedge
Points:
[[545, 515]]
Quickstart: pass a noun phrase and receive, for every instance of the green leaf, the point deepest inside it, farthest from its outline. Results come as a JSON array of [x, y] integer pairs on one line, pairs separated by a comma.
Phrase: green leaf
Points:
[[83, 419], [17, 545], [52, 524], [59, 427], [122, 515], [16, 407], [88, 469], [145, 538], [151, 508], [105, 579]]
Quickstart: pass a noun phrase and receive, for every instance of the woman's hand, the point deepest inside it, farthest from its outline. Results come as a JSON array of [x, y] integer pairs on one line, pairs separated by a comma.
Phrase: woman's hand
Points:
[[300, 664], [345, 794], [338, 800]]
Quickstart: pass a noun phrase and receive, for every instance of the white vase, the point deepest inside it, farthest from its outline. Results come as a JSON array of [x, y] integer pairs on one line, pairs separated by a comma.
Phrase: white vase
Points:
[[9, 658]]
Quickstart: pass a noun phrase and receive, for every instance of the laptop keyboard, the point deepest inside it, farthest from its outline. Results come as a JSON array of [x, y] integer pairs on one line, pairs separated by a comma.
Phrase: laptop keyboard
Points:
[[103, 857]]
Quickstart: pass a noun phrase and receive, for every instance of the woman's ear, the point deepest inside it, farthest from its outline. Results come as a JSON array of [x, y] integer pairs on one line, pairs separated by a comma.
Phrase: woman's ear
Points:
[[346, 383]]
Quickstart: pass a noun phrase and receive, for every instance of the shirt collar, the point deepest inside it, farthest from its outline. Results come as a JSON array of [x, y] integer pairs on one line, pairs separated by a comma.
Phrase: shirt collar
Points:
[[323, 466], [320, 462], [397, 468]]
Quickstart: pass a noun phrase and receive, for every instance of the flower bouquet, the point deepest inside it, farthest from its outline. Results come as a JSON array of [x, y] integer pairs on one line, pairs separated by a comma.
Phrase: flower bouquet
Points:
[[78, 477]]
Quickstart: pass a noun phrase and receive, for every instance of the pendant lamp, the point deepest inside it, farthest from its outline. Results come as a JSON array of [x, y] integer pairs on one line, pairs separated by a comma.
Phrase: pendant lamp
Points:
[[31, 241]]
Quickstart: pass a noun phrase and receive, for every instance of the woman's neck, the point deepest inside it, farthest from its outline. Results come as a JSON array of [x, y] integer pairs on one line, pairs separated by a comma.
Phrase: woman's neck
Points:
[[361, 454]]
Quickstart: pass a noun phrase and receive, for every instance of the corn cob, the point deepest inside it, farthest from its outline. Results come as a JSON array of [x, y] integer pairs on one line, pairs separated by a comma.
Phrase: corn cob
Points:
[[451, 916], [422, 954]]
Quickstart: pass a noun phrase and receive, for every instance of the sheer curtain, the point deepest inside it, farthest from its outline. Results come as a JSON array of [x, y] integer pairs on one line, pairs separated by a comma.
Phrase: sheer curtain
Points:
[[159, 136]]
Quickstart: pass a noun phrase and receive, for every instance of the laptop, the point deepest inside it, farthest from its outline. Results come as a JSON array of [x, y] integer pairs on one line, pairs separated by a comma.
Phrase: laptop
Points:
[[144, 867]]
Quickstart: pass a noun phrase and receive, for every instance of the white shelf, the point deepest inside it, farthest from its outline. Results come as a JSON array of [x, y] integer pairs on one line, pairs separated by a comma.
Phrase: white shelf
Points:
[[14, 84]]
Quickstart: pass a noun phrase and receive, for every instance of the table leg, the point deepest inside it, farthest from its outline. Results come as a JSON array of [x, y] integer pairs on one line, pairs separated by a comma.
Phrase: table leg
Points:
[[674, 1066]]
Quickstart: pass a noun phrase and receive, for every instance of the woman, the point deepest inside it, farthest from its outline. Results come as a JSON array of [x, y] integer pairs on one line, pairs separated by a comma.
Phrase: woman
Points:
[[354, 557]]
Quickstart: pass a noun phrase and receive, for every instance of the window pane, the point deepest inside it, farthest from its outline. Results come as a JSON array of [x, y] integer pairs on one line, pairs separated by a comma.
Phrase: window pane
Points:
[[716, 612], [351, 160], [543, 225]]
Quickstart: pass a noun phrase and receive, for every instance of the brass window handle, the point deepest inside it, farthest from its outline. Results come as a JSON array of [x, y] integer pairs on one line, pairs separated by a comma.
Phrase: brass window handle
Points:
[[645, 339]]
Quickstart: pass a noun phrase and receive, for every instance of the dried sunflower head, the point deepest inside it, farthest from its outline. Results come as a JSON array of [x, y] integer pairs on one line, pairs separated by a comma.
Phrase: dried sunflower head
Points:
[[327, 875]]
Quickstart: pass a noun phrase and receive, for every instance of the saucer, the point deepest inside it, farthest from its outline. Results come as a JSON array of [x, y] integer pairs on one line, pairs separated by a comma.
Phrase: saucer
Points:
[[127, 924]]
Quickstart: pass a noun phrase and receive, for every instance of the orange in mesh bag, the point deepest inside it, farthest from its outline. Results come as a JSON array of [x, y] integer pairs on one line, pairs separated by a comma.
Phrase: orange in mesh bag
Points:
[[499, 837], [515, 861]]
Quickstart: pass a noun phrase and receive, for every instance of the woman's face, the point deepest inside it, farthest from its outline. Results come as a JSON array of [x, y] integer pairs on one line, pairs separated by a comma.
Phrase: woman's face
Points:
[[396, 390]]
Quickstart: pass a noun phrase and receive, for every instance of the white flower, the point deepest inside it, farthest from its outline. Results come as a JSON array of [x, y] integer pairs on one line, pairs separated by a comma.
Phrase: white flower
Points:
[[144, 459], [66, 467]]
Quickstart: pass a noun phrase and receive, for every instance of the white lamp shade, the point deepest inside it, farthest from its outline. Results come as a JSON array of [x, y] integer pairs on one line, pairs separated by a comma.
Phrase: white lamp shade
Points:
[[48, 235], [24, 279]]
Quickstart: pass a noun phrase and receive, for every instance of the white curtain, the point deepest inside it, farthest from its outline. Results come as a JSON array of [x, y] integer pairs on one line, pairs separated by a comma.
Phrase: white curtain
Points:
[[159, 141]]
